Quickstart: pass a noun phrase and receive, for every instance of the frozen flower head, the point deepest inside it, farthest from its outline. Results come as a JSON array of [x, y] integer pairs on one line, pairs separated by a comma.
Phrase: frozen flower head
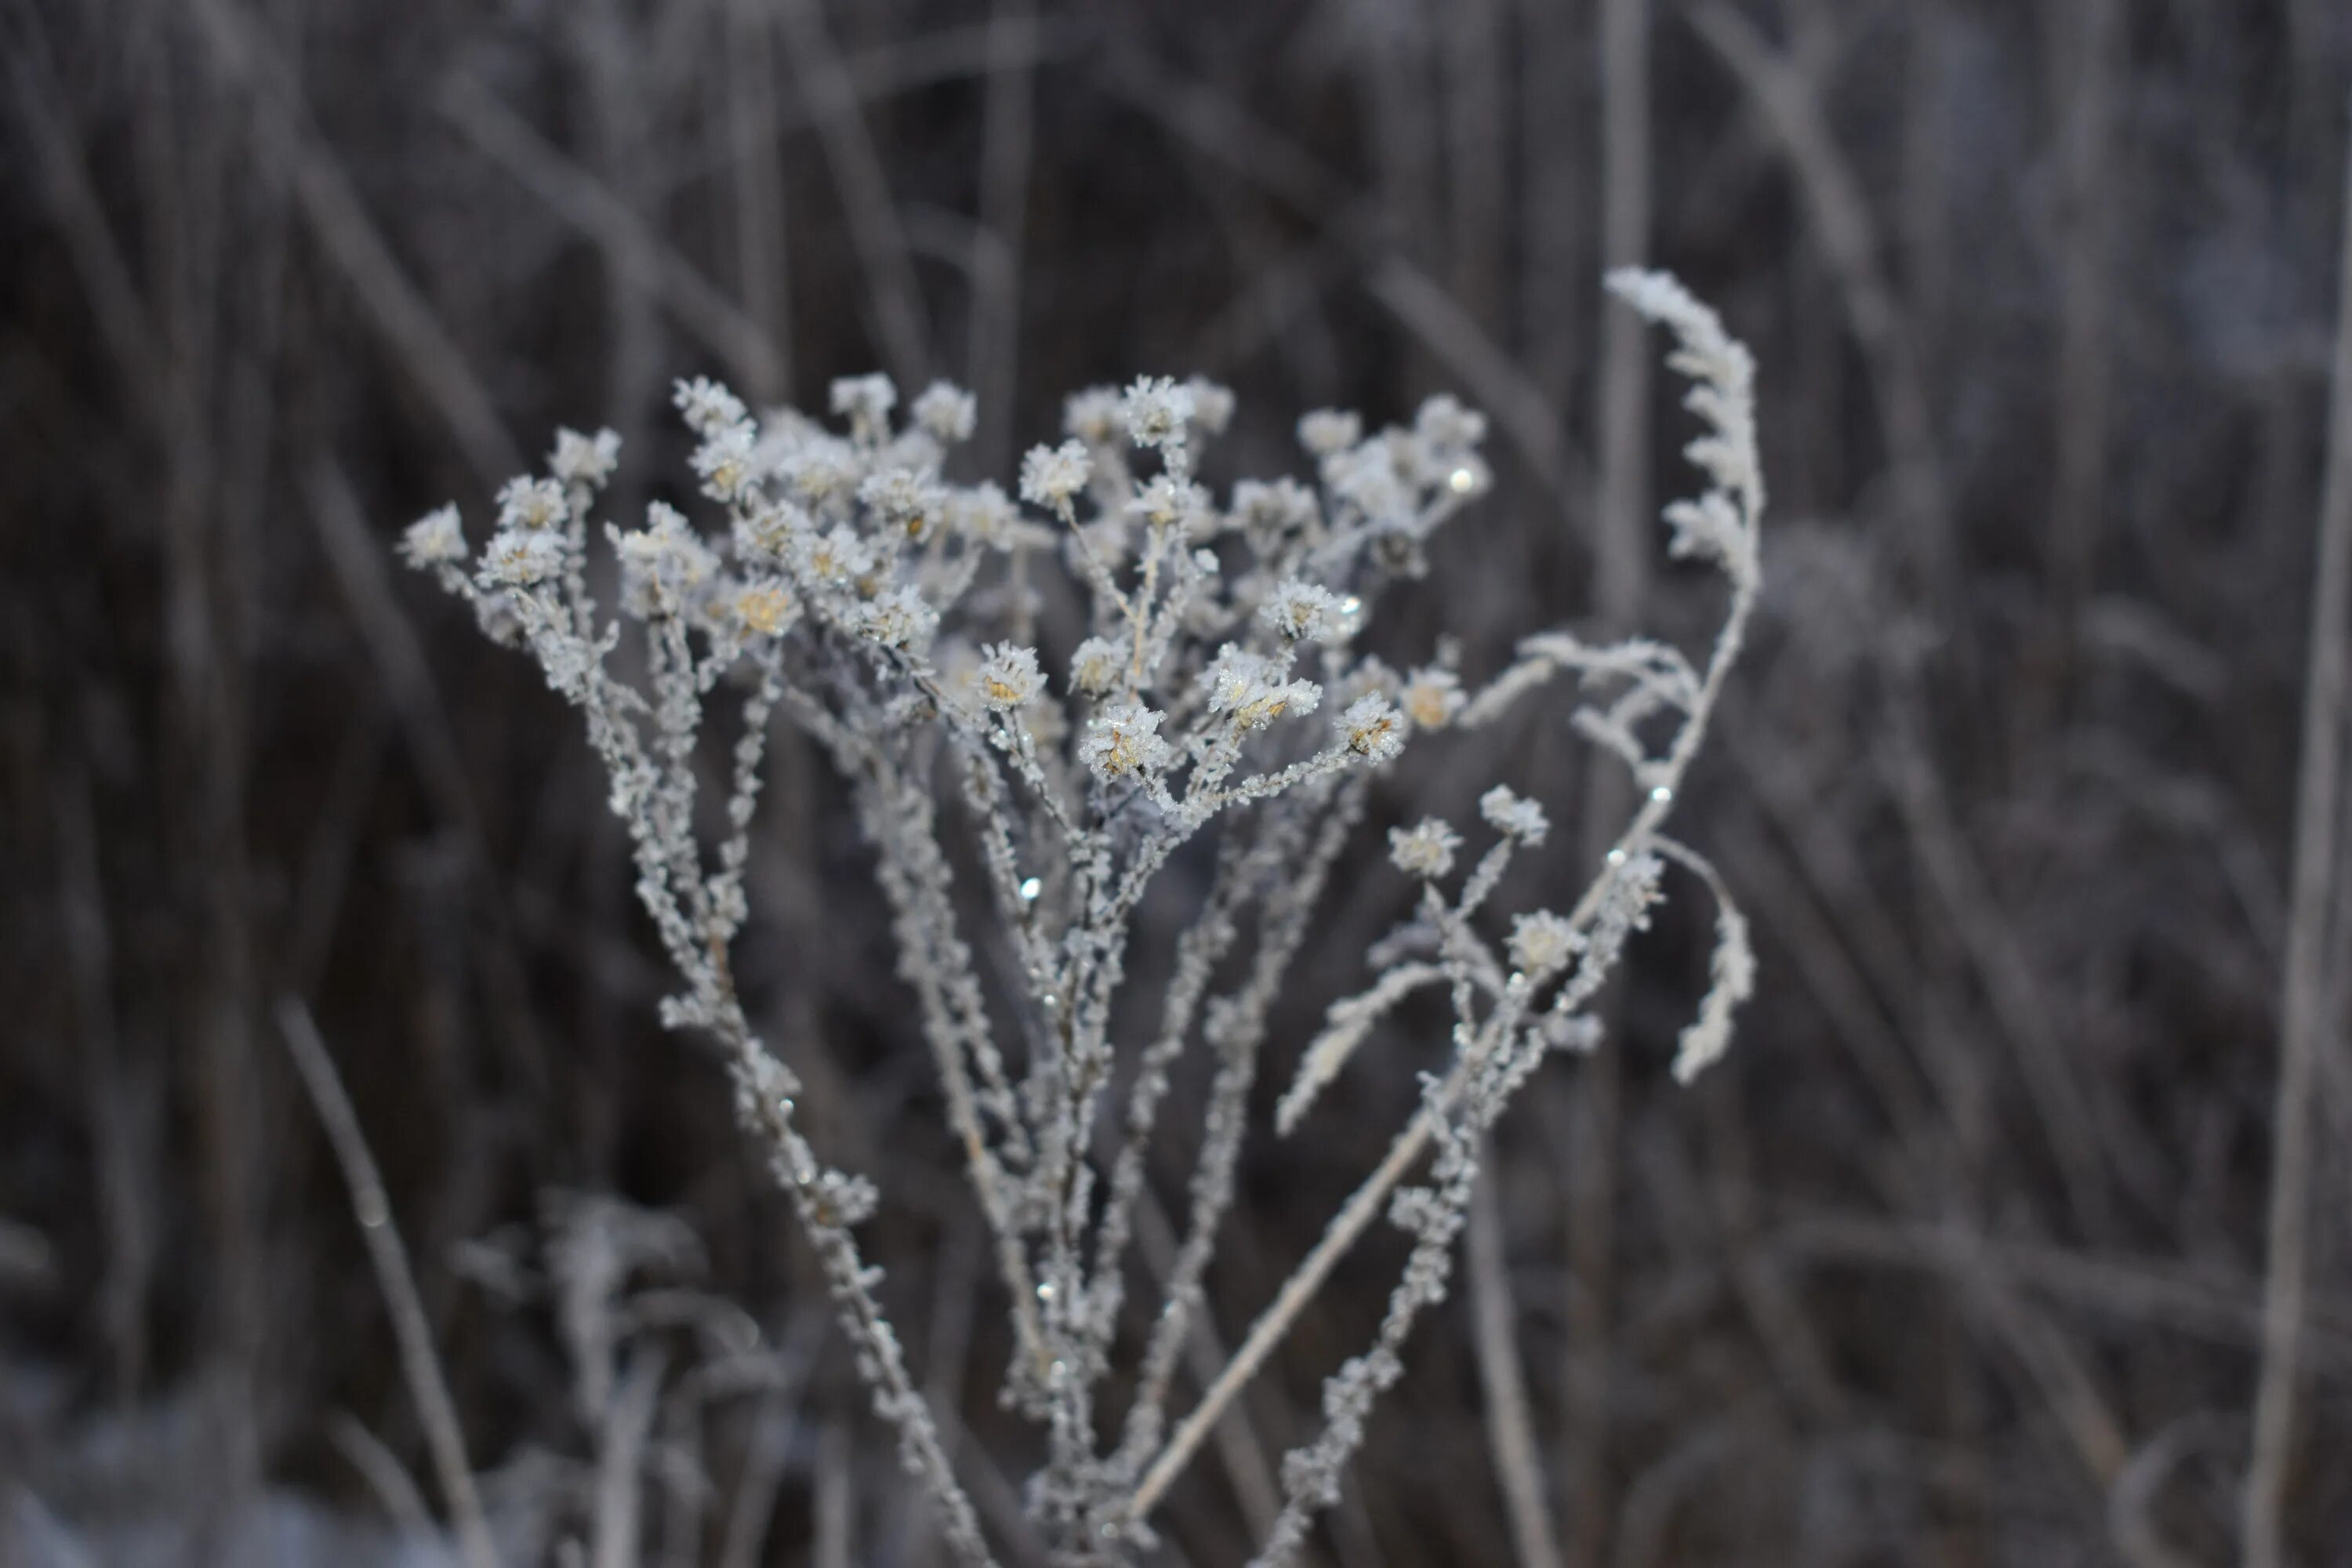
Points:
[[1425, 850], [1008, 677], [1155, 411], [1366, 478], [866, 401], [725, 462], [518, 558], [1050, 475], [766, 531], [531, 505], [821, 472], [1306, 612], [1095, 666], [983, 515], [1446, 426], [1372, 728], [1542, 944], [904, 505], [1092, 415], [946, 413], [836, 559], [1514, 816], [663, 563], [1124, 739], [1251, 688], [765, 607], [435, 539], [1167, 501], [900, 618], [1213, 404], [1328, 430], [707, 407], [584, 460], [1270, 513], [1432, 697]]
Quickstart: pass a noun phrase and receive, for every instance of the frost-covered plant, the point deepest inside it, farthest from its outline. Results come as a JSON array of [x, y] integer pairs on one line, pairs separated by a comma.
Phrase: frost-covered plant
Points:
[[1218, 691]]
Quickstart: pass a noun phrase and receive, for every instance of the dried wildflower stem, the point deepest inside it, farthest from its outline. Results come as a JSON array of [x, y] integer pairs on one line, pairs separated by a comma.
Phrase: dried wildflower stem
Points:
[[2303, 1006], [436, 1413], [1723, 525], [1365, 1204], [824, 602]]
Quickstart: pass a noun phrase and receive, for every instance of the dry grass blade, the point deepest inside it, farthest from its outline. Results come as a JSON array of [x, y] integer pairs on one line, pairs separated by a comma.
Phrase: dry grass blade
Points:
[[2305, 1002], [420, 1364]]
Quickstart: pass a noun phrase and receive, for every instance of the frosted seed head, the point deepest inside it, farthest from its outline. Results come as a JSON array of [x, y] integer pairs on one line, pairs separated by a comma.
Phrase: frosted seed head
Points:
[[899, 618], [1514, 815], [1251, 688], [1213, 404], [1050, 475], [836, 558], [1304, 612], [821, 471], [1092, 415], [765, 606], [1366, 479], [1155, 411], [1425, 850], [1095, 666], [1326, 431], [1008, 677], [866, 400], [1447, 426], [1541, 943], [1372, 728], [435, 539], [1167, 502], [663, 563], [904, 504], [766, 531], [526, 505], [580, 459], [725, 461], [520, 559], [1123, 740], [708, 407], [983, 515], [1268, 513], [1432, 697], [947, 413]]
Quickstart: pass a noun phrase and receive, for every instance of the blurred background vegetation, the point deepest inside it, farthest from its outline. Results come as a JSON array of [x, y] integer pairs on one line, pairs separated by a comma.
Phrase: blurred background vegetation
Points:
[[1960, 1259]]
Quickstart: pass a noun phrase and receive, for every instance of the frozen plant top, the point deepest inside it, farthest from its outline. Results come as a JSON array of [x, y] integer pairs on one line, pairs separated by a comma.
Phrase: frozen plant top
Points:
[[1130, 663]]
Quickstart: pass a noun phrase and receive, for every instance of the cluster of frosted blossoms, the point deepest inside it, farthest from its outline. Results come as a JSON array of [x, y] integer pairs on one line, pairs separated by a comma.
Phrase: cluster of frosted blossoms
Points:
[[1081, 679]]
